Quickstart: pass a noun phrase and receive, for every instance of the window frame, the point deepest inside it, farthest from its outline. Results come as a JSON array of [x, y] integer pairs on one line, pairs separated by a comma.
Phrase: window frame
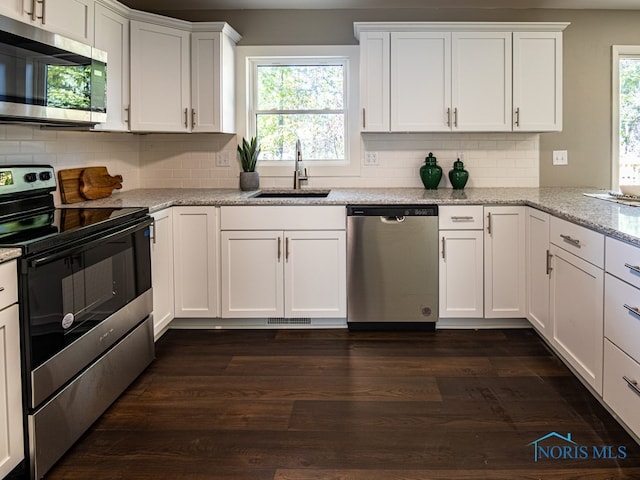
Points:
[[618, 52], [250, 57]]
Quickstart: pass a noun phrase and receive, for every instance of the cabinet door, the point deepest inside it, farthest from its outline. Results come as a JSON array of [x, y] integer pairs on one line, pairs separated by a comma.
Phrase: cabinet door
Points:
[[205, 82], [11, 442], [315, 274], [15, 8], [481, 81], [252, 274], [111, 33], [461, 274], [162, 270], [374, 81], [538, 270], [195, 262], [504, 270], [420, 81], [537, 81], [577, 314], [160, 80], [71, 18]]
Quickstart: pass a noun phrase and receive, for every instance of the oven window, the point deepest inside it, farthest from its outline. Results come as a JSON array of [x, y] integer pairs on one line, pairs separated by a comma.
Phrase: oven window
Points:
[[71, 294]]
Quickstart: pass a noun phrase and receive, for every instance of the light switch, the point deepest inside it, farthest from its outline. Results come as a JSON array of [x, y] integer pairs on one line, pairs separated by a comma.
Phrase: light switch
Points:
[[560, 157]]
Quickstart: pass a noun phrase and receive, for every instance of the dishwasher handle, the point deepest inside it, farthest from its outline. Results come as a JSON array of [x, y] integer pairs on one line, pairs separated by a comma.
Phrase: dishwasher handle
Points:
[[392, 219]]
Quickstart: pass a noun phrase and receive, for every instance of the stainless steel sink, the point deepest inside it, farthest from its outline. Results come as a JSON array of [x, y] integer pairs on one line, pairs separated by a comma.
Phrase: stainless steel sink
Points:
[[292, 194]]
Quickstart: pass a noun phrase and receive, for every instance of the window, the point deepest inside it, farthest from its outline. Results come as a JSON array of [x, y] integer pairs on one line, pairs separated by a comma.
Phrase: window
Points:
[[301, 92], [626, 116]]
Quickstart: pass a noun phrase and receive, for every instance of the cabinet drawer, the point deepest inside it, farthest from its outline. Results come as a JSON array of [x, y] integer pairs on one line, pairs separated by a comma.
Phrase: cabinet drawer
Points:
[[622, 315], [580, 241], [269, 217], [619, 371], [623, 261], [467, 217], [8, 284]]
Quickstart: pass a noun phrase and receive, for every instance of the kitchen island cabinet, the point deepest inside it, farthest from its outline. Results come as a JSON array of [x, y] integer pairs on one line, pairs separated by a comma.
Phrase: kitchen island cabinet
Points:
[[285, 264], [11, 440]]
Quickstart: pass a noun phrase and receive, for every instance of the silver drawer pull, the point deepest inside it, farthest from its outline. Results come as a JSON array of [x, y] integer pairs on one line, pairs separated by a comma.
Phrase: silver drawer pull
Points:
[[635, 310], [635, 268], [572, 241], [633, 384], [466, 218]]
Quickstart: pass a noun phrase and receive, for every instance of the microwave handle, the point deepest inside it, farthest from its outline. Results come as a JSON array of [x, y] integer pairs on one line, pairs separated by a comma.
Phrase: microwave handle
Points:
[[36, 262]]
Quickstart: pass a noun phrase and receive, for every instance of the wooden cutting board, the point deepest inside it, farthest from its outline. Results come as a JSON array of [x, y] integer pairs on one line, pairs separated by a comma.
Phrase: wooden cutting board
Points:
[[95, 182], [86, 183]]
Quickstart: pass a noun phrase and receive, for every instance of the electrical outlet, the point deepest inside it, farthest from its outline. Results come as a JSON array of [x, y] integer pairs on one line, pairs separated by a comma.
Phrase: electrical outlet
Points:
[[560, 157], [371, 158], [223, 159]]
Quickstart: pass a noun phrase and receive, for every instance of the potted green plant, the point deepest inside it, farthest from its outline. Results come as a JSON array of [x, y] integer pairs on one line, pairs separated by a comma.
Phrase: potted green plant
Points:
[[248, 156]]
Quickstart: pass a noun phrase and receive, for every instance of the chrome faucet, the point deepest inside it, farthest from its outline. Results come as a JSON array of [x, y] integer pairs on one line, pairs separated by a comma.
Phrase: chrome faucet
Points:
[[298, 174]]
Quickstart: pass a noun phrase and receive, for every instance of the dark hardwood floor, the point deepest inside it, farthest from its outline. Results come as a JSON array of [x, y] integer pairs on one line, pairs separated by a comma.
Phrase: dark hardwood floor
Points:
[[329, 404]]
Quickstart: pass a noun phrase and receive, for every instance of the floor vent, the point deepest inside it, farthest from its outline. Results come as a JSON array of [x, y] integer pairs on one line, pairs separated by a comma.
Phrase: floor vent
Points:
[[288, 321]]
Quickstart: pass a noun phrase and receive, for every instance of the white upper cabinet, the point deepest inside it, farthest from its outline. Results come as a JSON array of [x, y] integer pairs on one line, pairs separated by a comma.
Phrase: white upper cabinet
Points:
[[537, 81], [481, 76], [465, 77], [182, 81], [71, 18], [160, 79], [13, 8], [374, 81], [111, 34], [420, 81]]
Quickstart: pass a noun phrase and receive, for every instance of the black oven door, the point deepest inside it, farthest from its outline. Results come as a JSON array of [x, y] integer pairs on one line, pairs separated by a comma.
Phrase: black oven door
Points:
[[71, 298]]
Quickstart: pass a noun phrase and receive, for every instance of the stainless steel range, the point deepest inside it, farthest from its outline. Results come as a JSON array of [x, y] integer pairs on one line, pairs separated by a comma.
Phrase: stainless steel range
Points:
[[85, 307]]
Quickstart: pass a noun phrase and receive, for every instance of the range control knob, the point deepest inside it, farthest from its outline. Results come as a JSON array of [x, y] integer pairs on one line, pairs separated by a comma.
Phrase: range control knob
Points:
[[30, 177], [44, 176]]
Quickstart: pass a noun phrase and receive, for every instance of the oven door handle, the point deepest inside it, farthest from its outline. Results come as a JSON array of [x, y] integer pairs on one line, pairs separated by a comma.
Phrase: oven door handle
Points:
[[36, 262]]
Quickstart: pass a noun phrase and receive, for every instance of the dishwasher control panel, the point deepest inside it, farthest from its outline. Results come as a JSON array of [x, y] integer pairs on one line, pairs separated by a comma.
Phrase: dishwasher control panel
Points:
[[392, 211]]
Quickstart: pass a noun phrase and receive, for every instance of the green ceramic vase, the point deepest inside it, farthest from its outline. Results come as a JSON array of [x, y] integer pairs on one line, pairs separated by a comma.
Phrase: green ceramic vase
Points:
[[458, 176], [430, 172]]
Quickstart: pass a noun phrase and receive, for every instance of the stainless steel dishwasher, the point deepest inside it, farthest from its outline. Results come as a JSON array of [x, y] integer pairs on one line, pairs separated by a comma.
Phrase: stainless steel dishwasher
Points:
[[392, 267]]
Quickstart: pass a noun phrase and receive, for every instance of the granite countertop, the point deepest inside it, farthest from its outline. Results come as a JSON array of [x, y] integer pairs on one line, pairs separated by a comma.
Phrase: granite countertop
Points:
[[610, 218]]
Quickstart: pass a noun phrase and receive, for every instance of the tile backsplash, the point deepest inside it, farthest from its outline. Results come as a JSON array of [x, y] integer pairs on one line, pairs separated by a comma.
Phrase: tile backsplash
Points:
[[209, 160]]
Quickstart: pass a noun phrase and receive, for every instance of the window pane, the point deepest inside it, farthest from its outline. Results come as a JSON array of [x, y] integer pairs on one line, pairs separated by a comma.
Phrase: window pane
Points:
[[300, 87], [629, 149], [321, 136]]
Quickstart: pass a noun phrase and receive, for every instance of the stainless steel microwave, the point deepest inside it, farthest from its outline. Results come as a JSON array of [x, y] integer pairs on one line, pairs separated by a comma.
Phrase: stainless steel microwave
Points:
[[47, 78]]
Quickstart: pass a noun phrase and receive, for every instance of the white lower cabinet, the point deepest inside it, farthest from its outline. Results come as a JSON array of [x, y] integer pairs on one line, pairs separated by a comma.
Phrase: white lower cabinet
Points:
[[461, 262], [11, 439], [538, 270], [162, 270], [576, 314], [283, 273], [504, 268], [195, 242]]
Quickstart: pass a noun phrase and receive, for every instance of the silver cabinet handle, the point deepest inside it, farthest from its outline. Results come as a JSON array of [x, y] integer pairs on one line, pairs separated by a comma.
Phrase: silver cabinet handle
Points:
[[489, 223], [517, 117], [571, 241], [633, 384], [186, 118], [635, 268], [32, 13], [364, 118], [549, 257], [466, 218], [634, 310], [444, 243], [44, 8], [279, 248], [127, 109], [193, 117], [153, 231], [449, 117], [286, 249], [455, 117]]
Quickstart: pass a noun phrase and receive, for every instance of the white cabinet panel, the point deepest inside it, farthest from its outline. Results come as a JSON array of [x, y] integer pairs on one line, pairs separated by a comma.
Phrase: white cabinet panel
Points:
[[537, 81], [160, 78], [420, 81], [622, 315], [481, 76], [578, 240], [504, 271], [576, 313], [374, 81], [162, 273], [538, 269], [195, 238], [623, 261], [620, 390], [111, 34]]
